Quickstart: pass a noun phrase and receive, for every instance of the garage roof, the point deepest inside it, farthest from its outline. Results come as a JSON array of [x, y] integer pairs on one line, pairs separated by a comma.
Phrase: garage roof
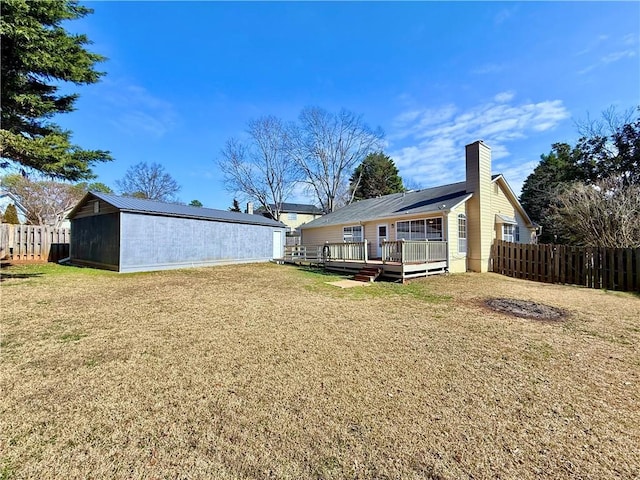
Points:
[[151, 207]]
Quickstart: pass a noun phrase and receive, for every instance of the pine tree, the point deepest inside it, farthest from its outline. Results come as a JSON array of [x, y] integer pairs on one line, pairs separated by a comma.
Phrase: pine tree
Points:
[[377, 175], [37, 55], [11, 215]]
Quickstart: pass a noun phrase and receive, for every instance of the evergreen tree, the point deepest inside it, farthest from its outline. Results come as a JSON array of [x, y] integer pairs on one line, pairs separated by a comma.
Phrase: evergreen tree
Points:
[[37, 55], [377, 175], [195, 203], [99, 187], [555, 172], [11, 215], [611, 149]]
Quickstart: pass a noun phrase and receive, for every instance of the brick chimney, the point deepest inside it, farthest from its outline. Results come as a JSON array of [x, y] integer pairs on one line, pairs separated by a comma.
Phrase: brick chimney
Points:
[[479, 219]]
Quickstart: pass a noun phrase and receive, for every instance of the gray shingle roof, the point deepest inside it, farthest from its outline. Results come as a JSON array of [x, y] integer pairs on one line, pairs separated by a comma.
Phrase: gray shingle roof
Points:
[[429, 200], [137, 205]]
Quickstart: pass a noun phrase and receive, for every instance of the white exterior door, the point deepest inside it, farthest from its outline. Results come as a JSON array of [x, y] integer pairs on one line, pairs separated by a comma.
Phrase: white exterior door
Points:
[[277, 244], [382, 236]]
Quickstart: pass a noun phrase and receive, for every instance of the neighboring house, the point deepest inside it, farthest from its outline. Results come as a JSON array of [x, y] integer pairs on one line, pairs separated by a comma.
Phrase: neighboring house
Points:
[[62, 219], [459, 221], [294, 215], [8, 198], [132, 235]]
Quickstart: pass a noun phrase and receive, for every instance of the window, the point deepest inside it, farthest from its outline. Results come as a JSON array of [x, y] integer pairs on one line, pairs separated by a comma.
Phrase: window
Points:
[[427, 229], [434, 228], [462, 233], [352, 234], [516, 233], [96, 206], [507, 232], [292, 216]]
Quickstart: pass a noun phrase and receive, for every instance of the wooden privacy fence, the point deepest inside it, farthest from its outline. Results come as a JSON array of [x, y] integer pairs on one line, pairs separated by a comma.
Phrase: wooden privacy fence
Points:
[[33, 242], [594, 267]]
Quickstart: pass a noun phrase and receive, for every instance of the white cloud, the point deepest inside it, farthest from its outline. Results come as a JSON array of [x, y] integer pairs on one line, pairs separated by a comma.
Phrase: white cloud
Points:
[[437, 136], [594, 44], [136, 111], [414, 121], [622, 51], [615, 56], [504, 97]]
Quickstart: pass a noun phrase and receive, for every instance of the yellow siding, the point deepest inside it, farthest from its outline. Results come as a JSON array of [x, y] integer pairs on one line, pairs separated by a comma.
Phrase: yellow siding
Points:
[[457, 260], [301, 219], [321, 235], [500, 204]]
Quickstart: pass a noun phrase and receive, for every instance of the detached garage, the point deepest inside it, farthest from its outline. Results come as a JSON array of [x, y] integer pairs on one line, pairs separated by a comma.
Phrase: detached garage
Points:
[[133, 235]]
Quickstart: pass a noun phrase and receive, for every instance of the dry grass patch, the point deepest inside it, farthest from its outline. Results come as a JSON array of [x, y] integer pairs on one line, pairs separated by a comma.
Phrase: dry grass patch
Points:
[[265, 371]]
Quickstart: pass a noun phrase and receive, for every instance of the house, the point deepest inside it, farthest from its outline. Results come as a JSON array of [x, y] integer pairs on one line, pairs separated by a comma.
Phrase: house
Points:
[[293, 215], [446, 228], [62, 218], [7, 198], [133, 235]]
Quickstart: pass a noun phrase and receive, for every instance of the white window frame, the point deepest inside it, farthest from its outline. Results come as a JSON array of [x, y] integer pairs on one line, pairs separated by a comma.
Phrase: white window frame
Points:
[[516, 233], [412, 230], [292, 216], [507, 232], [462, 233], [350, 233]]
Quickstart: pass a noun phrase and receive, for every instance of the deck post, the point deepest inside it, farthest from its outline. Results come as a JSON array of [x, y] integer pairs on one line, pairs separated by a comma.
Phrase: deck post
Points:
[[365, 253], [402, 252]]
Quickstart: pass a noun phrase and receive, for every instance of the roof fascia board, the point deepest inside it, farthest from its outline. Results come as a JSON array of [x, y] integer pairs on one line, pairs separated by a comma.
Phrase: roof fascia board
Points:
[[461, 202], [193, 217]]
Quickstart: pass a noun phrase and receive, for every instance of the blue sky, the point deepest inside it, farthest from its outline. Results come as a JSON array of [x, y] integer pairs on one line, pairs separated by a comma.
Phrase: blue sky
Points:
[[183, 77]]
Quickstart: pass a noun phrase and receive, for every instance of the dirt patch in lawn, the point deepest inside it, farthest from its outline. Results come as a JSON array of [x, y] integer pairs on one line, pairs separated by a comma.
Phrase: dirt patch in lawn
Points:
[[526, 309]]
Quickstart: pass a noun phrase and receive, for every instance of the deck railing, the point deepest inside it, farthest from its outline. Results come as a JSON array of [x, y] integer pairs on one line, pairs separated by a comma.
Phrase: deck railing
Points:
[[346, 251], [401, 251], [303, 253], [414, 251]]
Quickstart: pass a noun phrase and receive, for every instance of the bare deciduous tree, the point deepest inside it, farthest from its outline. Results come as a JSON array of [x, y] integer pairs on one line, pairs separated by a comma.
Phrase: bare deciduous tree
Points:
[[45, 201], [604, 214], [327, 147], [260, 167], [150, 182]]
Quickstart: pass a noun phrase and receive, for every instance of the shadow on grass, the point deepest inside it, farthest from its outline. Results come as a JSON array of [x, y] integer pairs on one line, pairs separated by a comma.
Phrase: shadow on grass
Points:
[[8, 275], [11, 276], [317, 271]]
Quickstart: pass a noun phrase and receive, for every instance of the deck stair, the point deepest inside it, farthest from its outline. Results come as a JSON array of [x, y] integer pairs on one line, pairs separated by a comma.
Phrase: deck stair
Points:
[[368, 274]]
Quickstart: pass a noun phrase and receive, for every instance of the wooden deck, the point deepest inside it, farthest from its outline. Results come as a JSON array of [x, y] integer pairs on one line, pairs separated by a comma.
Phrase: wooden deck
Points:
[[401, 260]]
